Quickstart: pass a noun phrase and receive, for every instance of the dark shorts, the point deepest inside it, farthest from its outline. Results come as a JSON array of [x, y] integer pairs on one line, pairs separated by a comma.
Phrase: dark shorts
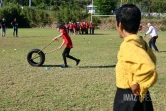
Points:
[[125, 100]]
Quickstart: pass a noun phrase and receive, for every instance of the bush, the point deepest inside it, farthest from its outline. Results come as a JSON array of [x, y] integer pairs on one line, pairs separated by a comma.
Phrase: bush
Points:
[[163, 28], [70, 13], [26, 17], [113, 27], [164, 21]]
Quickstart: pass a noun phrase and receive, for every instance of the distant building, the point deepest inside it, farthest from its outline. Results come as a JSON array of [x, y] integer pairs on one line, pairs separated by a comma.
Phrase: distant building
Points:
[[91, 9]]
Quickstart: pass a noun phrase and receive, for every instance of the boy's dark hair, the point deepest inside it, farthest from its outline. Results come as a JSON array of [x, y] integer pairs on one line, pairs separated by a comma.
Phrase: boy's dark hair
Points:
[[61, 26], [130, 16]]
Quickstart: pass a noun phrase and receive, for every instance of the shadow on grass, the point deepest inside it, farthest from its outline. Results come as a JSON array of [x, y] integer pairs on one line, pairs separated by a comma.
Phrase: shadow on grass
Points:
[[109, 66], [50, 66], [32, 36], [99, 34], [94, 34], [162, 51]]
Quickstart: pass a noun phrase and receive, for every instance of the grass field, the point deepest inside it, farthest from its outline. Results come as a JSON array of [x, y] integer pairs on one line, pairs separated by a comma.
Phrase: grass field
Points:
[[87, 87]]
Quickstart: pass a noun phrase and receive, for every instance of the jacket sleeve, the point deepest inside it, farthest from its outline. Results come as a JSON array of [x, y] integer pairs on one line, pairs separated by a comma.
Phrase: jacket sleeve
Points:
[[143, 69]]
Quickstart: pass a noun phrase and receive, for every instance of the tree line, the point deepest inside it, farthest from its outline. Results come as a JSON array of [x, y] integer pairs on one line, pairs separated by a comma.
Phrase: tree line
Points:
[[45, 12], [145, 5]]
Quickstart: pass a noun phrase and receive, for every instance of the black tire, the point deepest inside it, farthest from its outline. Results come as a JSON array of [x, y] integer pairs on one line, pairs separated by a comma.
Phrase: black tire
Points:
[[38, 54]]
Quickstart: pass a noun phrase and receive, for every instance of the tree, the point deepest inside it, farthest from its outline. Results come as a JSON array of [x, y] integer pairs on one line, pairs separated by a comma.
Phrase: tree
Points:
[[158, 6], [105, 7]]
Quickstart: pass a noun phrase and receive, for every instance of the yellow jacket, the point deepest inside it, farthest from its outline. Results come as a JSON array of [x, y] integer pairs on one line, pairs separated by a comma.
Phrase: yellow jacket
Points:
[[136, 64]]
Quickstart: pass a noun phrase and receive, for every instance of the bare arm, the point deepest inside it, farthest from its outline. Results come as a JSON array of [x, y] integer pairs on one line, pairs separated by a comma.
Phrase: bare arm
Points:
[[61, 45], [56, 38]]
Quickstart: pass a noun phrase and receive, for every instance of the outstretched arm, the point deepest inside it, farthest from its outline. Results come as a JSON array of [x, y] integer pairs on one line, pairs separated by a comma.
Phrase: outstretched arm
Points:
[[149, 30], [56, 38]]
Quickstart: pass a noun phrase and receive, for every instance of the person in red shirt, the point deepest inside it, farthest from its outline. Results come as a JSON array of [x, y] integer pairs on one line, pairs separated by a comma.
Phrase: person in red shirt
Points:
[[91, 27], [86, 27], [78, 28], [66, 41], [82, 27]]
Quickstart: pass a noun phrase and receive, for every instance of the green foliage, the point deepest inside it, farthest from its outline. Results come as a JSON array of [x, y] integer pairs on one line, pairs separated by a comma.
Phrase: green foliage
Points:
[[70, 12], [10, 12], [43, 12], [147, 5], [105, 7], [158, 6], [36, 17], [164, 21], [96, 22], [26, 17], [113, 27], [163, 28], [55, 10]]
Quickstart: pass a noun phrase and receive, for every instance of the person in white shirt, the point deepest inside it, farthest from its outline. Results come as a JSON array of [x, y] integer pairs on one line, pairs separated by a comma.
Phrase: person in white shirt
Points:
[[153, 36]]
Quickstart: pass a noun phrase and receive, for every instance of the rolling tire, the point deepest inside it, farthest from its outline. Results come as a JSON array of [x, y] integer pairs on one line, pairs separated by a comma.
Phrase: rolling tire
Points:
[[40, 55]]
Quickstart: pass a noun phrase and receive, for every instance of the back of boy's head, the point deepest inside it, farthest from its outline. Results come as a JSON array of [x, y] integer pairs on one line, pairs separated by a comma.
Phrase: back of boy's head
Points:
[[61, 26], [129, 16]]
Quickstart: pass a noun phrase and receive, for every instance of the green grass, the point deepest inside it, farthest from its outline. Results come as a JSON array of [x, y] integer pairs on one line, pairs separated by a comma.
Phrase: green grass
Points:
[[88, 87]]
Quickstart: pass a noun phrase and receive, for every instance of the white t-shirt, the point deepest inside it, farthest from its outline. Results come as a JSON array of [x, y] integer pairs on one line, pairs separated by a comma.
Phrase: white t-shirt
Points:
[[152, 31]]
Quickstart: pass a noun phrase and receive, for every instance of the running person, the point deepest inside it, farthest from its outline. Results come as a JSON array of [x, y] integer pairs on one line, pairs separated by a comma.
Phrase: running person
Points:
[[66, 41], [153, 36]]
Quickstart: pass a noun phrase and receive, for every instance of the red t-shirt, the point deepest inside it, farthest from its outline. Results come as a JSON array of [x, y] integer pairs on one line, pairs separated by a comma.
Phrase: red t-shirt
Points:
[[82, 25], [86, 25], [67, 39], [70, 26], [91, 25]]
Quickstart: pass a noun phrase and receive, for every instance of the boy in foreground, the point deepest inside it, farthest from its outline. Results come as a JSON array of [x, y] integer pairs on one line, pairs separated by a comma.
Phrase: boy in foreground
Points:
[[66, 41], [135, 69]]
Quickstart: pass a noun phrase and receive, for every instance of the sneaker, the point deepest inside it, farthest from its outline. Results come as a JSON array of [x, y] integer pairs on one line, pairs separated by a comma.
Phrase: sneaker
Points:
[[64, 66], [77, 62]]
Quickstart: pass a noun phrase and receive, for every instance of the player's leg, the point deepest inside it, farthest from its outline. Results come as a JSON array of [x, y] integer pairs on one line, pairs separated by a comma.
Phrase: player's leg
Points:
[[3, 32], [150, 43], [16, 32], [13, 32], [71, 57], [64, 57], [154, 44]]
